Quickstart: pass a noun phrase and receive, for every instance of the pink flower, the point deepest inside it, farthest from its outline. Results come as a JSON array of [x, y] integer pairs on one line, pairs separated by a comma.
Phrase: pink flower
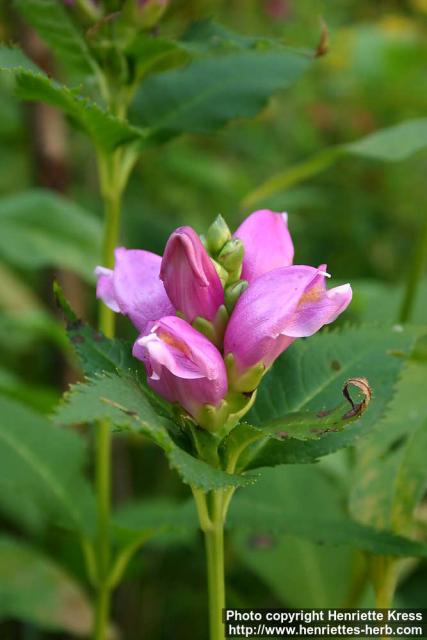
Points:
[[182, 365], [281, 303], [267, 243], [279, 306], [134, 287], [189, 276]]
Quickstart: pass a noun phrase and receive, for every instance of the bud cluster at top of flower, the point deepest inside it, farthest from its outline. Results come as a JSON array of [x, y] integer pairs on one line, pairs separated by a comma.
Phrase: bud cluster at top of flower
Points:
[[214, 313]]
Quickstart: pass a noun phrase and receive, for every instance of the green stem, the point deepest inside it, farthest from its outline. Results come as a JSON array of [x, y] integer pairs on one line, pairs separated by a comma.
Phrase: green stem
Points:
[[384, 580], [111, 192], [414, 276], [102, 614], [212, 524], [214, 540]]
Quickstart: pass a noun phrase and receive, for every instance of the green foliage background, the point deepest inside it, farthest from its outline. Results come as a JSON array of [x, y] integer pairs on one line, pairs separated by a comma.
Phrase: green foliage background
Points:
[[359, 207]]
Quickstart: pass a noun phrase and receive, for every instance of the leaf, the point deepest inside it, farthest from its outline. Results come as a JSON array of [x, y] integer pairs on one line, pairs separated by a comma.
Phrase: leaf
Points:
[[260, 510], [153, 54], [99, 354], [202, 475], [393, 144], [317, 575], [390, 476], [375, 301], [40, 397], [13, 59], [208, 37], [308, 376], [45, 463], [96, 352], [155, 513], [43, 229], [213, 90], [23, 319], [35, 589], [117, 398], [55, 27], [301, 425], [122, 400], [175, 521], [106, 131]]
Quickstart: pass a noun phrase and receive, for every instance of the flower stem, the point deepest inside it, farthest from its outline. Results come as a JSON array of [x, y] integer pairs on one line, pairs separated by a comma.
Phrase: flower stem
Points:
[[111, 193], [214, 540], [414, 276], [212, 514], [102, 613], [385, 585]]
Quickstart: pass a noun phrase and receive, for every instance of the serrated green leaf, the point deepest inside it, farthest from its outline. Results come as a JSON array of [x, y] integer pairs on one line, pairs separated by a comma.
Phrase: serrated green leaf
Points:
[[117, 398], [35, 589], [13, 59], [393, 144], [390, 476], [122, 401], [99, 354], [310, 374], [42, 229], [44, 463], [213, 90], [106, 131], [259, 509], [53, 24], [209, 37], [202, 475], [301, 425]]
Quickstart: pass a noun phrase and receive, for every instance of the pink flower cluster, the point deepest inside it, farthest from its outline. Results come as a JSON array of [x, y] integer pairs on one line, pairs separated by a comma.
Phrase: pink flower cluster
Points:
[[197, 353]]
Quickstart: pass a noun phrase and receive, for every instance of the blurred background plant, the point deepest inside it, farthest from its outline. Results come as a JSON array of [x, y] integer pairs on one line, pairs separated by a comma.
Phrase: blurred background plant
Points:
[[359, 208]]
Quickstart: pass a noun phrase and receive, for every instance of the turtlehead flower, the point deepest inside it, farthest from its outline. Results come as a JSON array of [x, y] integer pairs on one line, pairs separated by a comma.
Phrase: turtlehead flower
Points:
[[189, 276], [207, 342], [267, 243], [182, 365], [134, 288], [278, 307]]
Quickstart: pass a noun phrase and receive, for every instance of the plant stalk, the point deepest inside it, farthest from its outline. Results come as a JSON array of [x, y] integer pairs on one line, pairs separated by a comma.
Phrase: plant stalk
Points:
[[415, 274], [384, 575], [214, 540], [111, 192], [212, 512], [102, 613]]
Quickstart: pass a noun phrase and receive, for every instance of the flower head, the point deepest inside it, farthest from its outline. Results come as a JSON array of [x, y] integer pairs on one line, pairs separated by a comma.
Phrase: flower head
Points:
[[134, 287], [189, 276], [182, 365], [207, 342], [279, 306], [267, 243]]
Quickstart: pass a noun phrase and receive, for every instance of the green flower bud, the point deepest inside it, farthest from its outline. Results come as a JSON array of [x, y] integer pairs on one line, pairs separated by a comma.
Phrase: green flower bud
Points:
[[214, 331], [218, 234], [144, 13], [233, 293], [231, 255], [246, 382], [222, 419], [223, 273]]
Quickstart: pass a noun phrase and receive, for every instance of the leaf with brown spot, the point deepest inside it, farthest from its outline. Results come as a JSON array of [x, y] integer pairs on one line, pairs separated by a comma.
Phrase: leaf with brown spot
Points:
[[302, 382]]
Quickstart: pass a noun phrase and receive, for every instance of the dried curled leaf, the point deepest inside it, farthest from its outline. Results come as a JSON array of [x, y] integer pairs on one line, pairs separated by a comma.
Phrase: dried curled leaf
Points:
[[357, 408]]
